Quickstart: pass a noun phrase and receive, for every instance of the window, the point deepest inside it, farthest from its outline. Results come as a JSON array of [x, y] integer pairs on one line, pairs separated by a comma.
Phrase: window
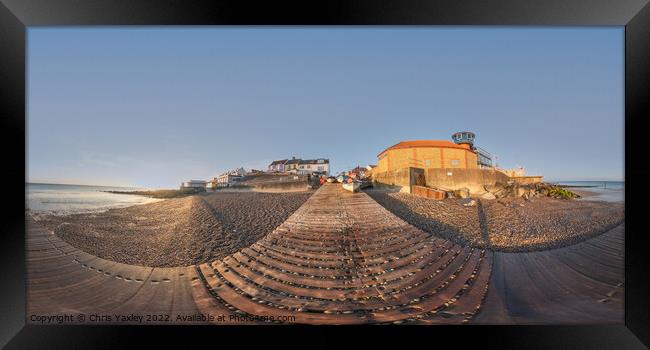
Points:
[[455, 163], [427, 162]]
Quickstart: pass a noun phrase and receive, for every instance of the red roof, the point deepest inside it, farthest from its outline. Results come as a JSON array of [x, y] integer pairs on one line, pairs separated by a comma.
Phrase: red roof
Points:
[[424, 143]]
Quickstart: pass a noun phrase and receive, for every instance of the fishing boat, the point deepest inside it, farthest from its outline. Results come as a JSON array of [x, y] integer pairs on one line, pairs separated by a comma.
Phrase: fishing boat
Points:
[[365, 184], [353, 186], [331, 179]]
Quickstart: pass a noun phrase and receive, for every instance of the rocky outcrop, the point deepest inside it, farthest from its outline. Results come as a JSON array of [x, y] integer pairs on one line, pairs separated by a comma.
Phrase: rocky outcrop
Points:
[[514, 189]]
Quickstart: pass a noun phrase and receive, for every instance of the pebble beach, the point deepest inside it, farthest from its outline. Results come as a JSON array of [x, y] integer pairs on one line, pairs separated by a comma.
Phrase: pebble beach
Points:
[[200, 228], [508, 224], [177, 231]]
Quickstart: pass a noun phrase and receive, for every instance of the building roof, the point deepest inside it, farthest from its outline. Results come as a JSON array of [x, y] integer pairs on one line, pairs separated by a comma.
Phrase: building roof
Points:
[[276, 162], [424, 143], [294, 161], [230, 174], [314, 161], [358, 169]]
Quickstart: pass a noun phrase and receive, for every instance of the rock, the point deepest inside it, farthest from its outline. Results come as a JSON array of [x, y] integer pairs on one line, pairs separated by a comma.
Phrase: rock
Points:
[[462, 192], [521, 191], [493, 188], [471, 203], [488, 195]]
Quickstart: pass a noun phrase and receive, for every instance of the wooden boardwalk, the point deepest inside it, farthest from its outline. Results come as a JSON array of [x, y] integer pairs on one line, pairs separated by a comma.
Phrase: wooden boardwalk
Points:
[[344, 259], [341, 258], [582, 283], [62, 279]]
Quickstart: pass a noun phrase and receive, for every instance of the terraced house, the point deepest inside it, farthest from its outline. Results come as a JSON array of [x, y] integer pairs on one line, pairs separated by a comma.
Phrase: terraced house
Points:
[[292, 164], [277, 166], [309, 166], [300, 166]]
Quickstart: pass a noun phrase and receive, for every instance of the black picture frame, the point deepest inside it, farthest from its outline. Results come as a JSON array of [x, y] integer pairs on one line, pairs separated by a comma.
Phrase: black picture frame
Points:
[[17, 15]]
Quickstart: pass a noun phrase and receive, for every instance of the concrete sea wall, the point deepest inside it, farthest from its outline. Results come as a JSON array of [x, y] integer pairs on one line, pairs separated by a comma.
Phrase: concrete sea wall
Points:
[[472, 179], [445, 179], [272, 183]]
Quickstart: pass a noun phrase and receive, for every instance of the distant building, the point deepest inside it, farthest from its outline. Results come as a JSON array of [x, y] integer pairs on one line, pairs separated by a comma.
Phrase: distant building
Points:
[[239, 171], [444, 164], [230, 177], [227, 179], [360, 172], [440, 154], [292, 165], [198, 184], [277, 166], [514, 172], [427, 154], [309, 166]]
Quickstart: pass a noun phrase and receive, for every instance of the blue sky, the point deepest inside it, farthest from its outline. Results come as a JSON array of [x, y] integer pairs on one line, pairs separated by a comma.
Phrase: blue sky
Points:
[[151, 107]]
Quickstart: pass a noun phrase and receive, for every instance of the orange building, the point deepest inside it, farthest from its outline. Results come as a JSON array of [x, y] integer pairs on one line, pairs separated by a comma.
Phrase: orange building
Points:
[[427, 154]]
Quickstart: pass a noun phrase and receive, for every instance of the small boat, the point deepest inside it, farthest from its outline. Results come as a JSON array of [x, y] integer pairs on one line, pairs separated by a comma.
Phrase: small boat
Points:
[[365, 184], [331, 179], [340, 178], [352, 186]]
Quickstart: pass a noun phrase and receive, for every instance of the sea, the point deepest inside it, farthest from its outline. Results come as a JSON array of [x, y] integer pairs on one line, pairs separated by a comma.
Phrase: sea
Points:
[[59, 199], [609, 191]]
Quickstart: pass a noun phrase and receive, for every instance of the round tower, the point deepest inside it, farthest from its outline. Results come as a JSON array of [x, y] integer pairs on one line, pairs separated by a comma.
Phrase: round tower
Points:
[[464, 138]]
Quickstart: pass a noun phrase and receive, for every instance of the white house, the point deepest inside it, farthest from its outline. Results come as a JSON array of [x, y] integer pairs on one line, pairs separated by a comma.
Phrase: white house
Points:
[[194, 184], [308, 166], [228, 179]]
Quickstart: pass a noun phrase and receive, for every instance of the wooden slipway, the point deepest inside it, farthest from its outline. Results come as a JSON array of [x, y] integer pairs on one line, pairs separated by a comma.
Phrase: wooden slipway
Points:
[[62, 279], [582, 283], [341, 258]]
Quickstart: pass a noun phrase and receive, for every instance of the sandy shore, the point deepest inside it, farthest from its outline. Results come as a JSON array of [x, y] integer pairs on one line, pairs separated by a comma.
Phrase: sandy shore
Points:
[[511, 225], [177, 231]]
